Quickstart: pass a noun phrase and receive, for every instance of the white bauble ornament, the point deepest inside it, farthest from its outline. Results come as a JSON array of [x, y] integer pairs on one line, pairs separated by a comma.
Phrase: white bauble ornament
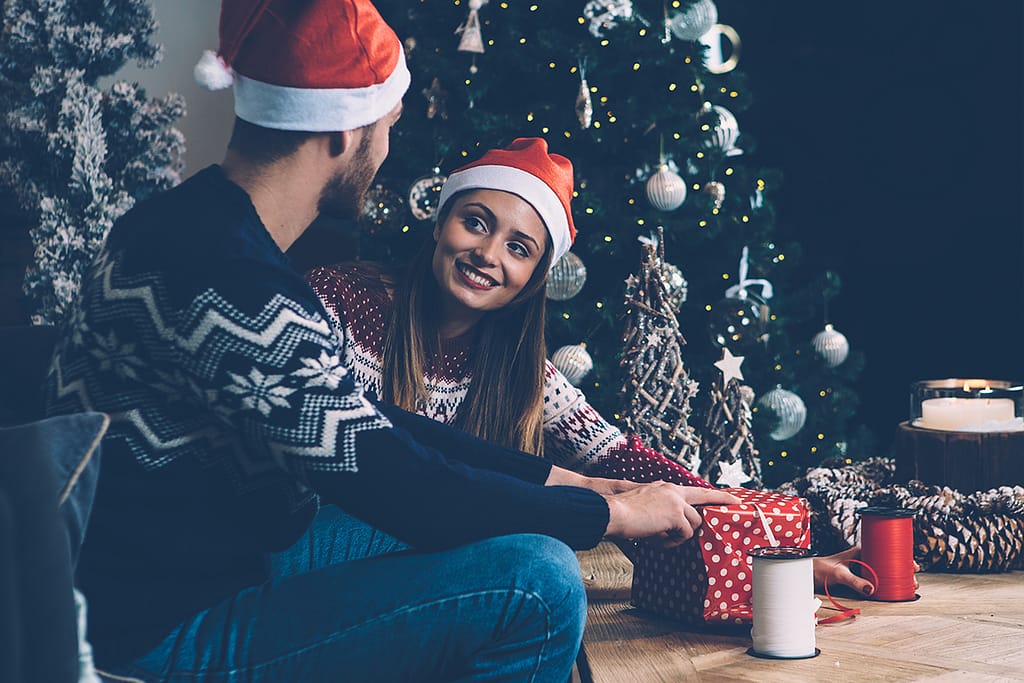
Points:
[[666, 191], [718, 128], [424, 193], [567, 277], [694, 21], [831, 345], [787, 409], [573, 361]]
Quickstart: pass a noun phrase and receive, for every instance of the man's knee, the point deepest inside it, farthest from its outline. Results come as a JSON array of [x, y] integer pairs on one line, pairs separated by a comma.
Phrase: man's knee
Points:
[[548, 568]]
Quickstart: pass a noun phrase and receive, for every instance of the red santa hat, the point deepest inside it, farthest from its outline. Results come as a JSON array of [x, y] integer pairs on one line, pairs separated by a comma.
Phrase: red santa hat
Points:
[[315, 66], [524, 168]]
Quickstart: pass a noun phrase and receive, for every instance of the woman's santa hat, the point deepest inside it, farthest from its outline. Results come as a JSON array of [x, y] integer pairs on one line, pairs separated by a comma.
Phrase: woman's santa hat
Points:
[[526, 169], [314, 66]]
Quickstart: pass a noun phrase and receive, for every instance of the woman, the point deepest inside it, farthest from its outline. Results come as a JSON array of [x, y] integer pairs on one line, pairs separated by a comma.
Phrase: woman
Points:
[[459, 337]]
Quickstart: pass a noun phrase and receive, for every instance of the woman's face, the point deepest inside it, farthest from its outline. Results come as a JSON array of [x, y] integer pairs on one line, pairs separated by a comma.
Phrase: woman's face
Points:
[[487, 249]]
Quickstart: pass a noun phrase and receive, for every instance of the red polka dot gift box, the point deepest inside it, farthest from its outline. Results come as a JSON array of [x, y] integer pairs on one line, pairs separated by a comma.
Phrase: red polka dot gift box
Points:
[[707, 579]]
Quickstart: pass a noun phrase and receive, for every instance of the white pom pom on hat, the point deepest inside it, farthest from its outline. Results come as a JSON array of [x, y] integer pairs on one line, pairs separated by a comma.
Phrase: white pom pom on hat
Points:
[[324, 65], [212, 73]]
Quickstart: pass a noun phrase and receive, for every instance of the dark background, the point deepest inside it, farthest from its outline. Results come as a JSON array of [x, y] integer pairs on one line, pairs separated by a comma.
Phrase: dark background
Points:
[[897, 127]]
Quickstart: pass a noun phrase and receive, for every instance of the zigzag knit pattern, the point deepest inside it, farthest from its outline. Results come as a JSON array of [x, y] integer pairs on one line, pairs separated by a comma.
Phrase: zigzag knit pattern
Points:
[[575, 435], [252, 386]]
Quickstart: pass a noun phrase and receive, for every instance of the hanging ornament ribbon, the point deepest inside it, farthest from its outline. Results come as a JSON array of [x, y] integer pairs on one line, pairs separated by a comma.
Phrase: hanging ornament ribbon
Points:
[[472, 39], [584, 105], [739, 290]]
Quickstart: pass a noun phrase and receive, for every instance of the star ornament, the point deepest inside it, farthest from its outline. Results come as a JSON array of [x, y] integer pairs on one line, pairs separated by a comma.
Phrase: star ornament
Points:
[[730, 366], [732, 474]]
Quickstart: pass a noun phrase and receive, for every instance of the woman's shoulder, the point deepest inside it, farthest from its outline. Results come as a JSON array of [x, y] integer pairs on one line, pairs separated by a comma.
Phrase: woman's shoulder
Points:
[[353, 286]]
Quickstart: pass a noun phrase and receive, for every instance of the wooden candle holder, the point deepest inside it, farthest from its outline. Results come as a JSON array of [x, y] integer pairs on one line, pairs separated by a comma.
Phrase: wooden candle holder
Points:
[[966, 461]]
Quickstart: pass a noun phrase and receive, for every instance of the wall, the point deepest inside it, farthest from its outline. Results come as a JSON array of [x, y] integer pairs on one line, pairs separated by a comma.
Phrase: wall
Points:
[[187, 27]]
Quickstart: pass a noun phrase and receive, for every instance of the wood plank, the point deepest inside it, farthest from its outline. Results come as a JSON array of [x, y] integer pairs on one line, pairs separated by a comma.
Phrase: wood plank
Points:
[[964, 627]]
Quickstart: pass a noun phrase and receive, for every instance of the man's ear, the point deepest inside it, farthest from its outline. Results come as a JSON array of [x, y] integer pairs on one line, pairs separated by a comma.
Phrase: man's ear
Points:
[[341, 141]]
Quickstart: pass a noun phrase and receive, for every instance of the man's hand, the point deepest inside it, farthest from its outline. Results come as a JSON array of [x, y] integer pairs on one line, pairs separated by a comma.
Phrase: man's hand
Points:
[[660, 510]]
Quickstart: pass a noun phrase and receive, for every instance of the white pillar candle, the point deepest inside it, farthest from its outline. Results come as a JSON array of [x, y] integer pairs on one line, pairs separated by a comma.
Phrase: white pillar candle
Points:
[[962, 414]]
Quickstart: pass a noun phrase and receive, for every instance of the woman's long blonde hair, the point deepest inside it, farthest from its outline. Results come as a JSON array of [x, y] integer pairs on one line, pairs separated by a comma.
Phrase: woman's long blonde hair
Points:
[[505, 401]]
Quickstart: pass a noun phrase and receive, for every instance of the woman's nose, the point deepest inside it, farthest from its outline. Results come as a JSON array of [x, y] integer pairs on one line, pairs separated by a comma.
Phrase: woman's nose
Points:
[[486, 253]]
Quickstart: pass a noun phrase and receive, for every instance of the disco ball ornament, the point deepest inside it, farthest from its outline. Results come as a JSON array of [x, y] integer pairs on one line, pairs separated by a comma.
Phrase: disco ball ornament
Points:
[[831, 345], [786, 410], [666, 191], [573, 361], [694, 21], [676, 286], [739, 322], [716, 191], [567, 277], [382, 211], [424, 193], [718, 128]]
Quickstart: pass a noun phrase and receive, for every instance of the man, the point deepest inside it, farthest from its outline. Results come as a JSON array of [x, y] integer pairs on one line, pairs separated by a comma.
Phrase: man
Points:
[[234, 419]]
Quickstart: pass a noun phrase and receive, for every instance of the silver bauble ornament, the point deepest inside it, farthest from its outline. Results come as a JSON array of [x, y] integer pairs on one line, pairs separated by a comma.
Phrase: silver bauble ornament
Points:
[[423, 195], [739, 322], [718, 128], [573, 361], [831, 345], [566, 278], [694, 21], [786, 409], [382, 210], [666, 191], [676, 286], [716, 191]]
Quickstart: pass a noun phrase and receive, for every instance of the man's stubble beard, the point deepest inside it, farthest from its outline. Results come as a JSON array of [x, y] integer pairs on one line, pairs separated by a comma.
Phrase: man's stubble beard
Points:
[[344, 195]]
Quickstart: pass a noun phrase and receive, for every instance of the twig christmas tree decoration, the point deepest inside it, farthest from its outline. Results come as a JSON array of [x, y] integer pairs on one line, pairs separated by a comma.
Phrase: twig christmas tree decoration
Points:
[[730, 458], [657, 388], [76, 156]]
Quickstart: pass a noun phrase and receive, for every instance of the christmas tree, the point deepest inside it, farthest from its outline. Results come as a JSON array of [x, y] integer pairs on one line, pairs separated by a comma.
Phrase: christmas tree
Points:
[[651, 119], [729, 457], [658, 389], [76, 155]]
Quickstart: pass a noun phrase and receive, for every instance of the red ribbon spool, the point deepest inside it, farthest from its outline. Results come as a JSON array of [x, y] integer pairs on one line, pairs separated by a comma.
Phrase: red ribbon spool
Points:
[[887, 544]]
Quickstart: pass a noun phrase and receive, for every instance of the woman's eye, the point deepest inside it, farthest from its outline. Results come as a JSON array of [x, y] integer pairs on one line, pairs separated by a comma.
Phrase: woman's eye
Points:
[[519, 249], [475, 224]]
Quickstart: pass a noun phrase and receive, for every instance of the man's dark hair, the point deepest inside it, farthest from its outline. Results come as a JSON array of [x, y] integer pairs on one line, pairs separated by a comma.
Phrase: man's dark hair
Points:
[[265, 145]]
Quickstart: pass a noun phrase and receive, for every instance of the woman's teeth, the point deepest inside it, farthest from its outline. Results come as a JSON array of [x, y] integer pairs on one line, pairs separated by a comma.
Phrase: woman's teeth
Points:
[[476, 277]]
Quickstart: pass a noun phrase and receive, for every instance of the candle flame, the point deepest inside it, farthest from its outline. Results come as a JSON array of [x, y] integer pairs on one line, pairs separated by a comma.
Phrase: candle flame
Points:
[[976, 384]]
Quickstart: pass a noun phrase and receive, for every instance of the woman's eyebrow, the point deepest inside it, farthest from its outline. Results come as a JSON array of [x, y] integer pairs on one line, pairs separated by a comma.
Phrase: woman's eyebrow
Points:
[[483, 207]]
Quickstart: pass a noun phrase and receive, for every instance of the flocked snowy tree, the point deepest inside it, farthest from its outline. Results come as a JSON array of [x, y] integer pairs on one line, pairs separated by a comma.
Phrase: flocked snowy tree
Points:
[[75, 155]]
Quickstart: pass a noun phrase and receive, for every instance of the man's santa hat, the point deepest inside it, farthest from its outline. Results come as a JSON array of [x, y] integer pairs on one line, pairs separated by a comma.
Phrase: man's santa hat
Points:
[[314, 66], [526, 169]]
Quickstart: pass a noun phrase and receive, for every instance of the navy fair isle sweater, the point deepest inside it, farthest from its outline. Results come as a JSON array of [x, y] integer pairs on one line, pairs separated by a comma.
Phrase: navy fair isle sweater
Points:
[[233, 416]]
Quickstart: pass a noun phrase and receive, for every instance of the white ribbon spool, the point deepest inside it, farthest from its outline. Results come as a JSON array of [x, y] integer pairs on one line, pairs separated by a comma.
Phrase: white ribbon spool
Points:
[[783, 603]]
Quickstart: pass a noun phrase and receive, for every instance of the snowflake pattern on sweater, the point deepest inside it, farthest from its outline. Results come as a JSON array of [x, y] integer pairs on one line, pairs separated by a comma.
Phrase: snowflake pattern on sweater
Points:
[[576, 437]]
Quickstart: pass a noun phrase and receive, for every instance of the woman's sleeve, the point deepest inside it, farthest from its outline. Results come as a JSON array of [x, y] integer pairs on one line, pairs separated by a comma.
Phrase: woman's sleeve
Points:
[[576, 437]]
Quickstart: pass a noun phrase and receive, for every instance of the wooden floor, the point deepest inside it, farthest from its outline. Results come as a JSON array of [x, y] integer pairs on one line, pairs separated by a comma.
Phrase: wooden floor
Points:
[[965, 627]]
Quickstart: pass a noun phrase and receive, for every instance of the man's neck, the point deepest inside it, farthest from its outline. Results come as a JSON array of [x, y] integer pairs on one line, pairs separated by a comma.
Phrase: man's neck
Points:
[[285, 193]]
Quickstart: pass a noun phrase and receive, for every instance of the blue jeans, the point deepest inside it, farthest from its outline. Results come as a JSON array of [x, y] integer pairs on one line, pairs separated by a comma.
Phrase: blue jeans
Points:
[[350, 603]]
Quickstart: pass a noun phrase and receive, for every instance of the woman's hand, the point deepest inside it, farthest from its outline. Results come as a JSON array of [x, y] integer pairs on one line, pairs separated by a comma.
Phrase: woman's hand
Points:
[[835, 569], [562, 477]]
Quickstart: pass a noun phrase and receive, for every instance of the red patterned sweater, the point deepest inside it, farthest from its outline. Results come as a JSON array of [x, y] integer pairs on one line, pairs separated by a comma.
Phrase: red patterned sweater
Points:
[[576, 437]]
